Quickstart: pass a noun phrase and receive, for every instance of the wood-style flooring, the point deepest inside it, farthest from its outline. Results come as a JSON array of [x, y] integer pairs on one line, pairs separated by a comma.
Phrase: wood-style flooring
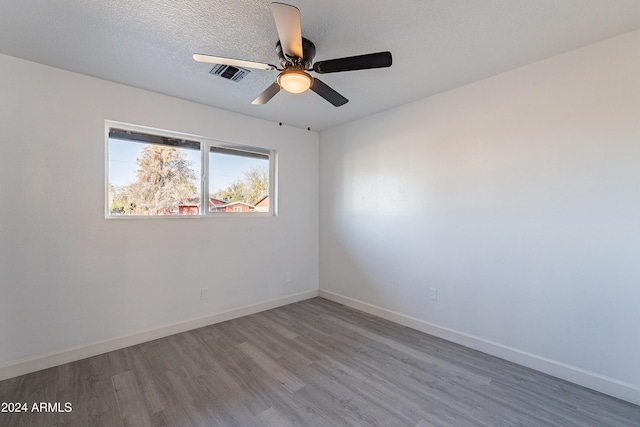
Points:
[[313, 363]]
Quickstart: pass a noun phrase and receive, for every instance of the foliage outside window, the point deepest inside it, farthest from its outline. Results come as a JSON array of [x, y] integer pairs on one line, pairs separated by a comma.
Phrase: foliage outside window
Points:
[[160, 174]]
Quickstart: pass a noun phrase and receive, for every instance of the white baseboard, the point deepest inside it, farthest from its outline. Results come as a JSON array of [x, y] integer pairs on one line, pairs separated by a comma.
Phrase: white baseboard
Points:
[[44, 361], [592, 380]]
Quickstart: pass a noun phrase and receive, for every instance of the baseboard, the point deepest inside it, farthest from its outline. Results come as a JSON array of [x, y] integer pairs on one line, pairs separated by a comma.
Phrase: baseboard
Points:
[[44, 361], [592, 380]]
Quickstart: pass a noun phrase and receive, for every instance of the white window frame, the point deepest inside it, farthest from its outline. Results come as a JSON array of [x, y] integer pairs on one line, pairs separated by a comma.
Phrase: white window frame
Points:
[[205, 145]]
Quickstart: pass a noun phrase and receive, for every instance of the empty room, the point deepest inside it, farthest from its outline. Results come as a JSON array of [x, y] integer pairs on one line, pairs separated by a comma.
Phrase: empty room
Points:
[[252, 213]]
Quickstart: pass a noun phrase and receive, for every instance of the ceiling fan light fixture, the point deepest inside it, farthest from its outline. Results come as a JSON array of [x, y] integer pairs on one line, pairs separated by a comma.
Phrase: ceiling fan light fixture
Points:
[[294, 81]]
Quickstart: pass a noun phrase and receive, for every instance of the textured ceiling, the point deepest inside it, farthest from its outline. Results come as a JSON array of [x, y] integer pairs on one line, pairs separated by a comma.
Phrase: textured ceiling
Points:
[[436, 45]]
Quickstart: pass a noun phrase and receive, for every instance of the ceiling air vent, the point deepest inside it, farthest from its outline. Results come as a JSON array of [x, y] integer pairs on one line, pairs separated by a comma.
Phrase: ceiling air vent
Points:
[[229, 72]]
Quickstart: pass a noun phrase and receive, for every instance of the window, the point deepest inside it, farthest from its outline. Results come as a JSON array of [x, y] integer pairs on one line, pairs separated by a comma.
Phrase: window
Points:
[[158, 173]]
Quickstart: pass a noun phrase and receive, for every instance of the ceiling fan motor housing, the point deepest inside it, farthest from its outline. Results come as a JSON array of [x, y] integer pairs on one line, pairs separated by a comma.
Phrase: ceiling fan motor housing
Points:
[[308, 53]]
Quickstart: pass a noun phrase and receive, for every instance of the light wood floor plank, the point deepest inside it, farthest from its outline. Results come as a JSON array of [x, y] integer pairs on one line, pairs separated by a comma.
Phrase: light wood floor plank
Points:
[[286, 378], [131, 404]]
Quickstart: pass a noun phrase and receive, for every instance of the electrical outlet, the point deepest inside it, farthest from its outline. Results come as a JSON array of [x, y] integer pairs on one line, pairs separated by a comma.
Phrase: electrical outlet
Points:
[[433, 294], [204, 293], [288, 278]]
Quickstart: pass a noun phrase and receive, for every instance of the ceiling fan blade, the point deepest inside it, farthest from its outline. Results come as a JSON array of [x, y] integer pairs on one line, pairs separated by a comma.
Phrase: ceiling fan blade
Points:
[[327, 93], [233, 62], [267, 94], [360, 62], [289, 31]]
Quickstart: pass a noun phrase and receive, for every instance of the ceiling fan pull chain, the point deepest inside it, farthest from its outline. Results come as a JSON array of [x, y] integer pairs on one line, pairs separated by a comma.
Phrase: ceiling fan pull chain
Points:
[[280, 107], [308, 111]]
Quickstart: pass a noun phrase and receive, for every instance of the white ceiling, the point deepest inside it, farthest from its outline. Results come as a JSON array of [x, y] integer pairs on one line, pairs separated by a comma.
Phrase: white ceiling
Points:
[[436, 45]]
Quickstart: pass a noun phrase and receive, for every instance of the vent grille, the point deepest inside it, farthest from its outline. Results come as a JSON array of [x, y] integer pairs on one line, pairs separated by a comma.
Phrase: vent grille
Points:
[[229, 72]]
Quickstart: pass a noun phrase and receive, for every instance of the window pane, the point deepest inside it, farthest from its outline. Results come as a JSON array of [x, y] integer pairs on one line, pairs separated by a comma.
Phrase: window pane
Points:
[[238, 181], [152, 175]]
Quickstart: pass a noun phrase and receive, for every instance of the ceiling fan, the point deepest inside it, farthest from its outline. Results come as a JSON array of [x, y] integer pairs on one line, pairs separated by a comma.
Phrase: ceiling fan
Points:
[[296, 55]]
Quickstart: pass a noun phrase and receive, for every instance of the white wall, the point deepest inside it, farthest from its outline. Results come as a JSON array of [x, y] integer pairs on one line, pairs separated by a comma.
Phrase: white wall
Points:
[[517, 197], [69, 277]]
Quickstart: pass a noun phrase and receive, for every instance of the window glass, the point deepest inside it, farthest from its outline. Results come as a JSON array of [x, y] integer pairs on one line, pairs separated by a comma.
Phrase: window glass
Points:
[[238, 181], [152, 175]]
